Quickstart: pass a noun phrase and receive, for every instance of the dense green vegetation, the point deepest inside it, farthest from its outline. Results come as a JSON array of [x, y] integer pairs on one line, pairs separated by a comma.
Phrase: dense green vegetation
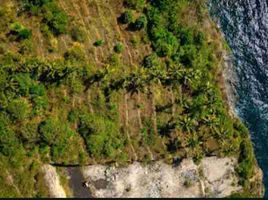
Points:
[[126, 17], [98, 43], [119, 48], [19, 31], [66, 110], [53, 18]]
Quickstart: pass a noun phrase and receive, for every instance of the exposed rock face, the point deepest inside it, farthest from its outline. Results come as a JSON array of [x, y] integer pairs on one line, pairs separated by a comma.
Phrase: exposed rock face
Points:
[[53, 182], [213, 177], [230, 82]]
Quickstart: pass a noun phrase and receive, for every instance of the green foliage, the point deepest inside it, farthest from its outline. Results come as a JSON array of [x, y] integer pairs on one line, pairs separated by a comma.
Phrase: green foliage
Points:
[[187, 55], [52, 16], [49, 72], [23, 83], [29, 133], [8, 139], [73, 116], [20, 31], [101, 136], [135, 41], [126, 17], [246, 161], [163, 41], [37, 90], [75, 83], [19, 109], [114, 59], [55, 18], [98, 43], [43, 103], [57, 134], [148, 135], [135, 4], [150, 61], [78, 34], [119, 48], [40, 104], [75, 54], [26, 46], [33, 6], [139, 23]]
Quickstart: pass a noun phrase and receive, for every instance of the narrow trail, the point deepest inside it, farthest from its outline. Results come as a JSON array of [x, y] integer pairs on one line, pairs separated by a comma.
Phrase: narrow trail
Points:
[[153, 111], [11, 180], [141, 125], [127, 125], [104, 25], [63, 6], [41, 43], [120, 32], [84, 6]]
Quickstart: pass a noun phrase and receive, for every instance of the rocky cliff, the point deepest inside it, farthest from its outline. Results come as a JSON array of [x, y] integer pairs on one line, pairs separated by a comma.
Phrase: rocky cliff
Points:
[[213, 177], [53, 182]]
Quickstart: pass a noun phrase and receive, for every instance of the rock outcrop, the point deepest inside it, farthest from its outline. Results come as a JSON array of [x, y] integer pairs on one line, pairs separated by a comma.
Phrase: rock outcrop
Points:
[[213, 177], [53, 182]]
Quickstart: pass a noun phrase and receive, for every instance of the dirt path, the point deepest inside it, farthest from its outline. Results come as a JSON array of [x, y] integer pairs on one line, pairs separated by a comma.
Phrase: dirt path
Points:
[[11, 181], [127, 125]]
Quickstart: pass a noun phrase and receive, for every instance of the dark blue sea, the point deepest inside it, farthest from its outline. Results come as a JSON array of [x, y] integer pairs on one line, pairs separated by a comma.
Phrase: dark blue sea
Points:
[[245, 26]]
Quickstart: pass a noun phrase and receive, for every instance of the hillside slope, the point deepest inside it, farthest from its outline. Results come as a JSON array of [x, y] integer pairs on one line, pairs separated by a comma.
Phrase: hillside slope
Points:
[[111, 81]]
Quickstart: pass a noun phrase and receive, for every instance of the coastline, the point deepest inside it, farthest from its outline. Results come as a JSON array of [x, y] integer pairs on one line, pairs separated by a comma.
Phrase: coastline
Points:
[[230, 82]]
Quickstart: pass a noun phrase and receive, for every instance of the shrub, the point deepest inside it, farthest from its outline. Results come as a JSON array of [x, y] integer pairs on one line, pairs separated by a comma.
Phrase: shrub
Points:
[[9, 144], [26, 47], [75, 83], [186, 36], [54, 132], [163, 42], [19, 109], [246, 161], [55, 18], [37, 90], [199, 39], [73, 115], [40, 104], [119, 48], [98, 43], [126, 17], [23, 82], [114, 59], [187, 55], [135, 4], [139, 24], [135, 41], [101, 136], [20, 31], [34, 5], [78, 34], [2, 49], [150, 61], [76, 53], [29, 132]]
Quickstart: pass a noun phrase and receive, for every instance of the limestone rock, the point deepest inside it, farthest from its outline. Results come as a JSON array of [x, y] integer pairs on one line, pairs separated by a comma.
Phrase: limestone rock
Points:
[[53, 182], [213, 177]]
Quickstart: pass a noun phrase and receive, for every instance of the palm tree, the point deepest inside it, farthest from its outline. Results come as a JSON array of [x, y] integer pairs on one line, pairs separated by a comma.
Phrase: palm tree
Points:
[[186, 123]]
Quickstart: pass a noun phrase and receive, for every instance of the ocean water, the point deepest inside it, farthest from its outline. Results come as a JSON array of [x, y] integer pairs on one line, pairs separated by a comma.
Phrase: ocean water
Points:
[[245, 26]]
